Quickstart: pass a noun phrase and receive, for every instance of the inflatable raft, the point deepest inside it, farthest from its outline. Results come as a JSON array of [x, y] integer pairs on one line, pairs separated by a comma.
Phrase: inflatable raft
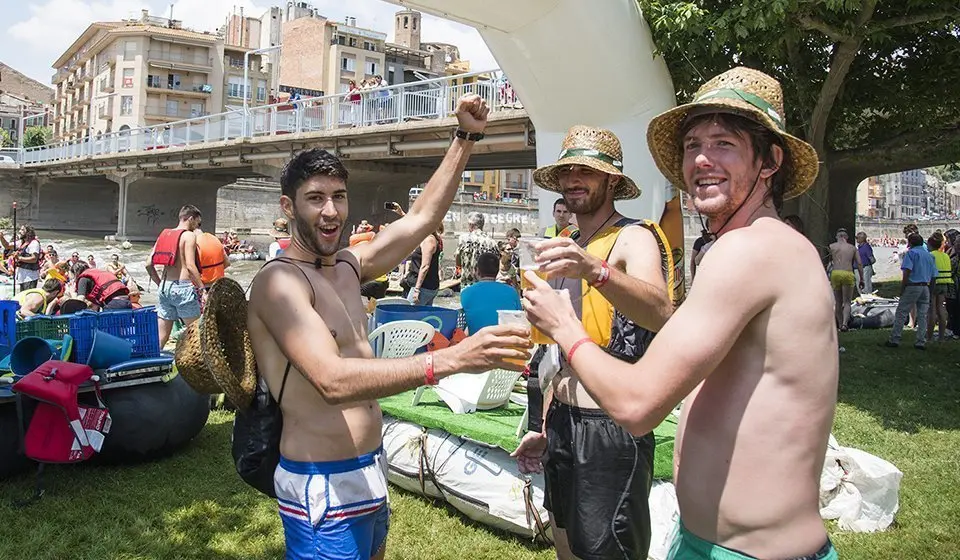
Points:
[[255, 256]]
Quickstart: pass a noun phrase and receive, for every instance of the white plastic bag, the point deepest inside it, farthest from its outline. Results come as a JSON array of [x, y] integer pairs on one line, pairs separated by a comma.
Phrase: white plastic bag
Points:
[[859, 490]]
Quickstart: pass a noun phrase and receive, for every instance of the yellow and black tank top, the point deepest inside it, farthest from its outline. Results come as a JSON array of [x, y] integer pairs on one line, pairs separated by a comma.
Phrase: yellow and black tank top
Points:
[[610, 329]]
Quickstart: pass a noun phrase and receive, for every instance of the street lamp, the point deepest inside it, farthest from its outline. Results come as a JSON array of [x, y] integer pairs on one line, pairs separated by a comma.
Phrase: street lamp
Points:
[[246, 83]]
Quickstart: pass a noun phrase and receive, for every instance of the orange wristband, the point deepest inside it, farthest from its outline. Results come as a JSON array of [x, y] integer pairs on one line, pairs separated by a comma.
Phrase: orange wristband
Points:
[[428, 374], [575, 346]]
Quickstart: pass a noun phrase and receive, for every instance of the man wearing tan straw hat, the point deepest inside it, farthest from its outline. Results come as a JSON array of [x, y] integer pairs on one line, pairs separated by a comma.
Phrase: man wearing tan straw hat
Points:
[[597, 474], [760, 385], [308, 329], [281, 238]]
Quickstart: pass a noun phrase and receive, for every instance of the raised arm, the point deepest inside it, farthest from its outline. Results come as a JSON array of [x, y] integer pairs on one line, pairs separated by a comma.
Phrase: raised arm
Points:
[[281, 301], [393, 244], [710, 315]]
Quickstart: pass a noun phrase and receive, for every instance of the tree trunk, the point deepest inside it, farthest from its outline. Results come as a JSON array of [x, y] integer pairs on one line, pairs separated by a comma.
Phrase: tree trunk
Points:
[[812, 208], [843, 201]]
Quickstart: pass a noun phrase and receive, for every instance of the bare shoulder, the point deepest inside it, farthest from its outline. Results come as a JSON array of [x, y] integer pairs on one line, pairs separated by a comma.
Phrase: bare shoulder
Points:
[[635, 242], [278, 286]]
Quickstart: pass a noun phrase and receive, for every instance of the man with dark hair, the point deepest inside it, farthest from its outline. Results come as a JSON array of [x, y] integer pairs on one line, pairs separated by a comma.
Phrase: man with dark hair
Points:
[[26, 257], [844, 259], [36, 301], [481, 301], [308, 328], [101, 289], [181, 284], [561, 219], [760, 384], [919, 271]]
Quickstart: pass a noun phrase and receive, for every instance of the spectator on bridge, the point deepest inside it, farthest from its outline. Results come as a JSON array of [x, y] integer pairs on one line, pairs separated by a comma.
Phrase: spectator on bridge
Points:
[[353, 98], [470, 246]]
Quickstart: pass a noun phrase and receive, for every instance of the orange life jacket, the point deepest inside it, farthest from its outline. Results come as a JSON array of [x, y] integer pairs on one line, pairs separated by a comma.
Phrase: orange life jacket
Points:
[[167, 246], [211, 258], [358, 238], [105, 286]]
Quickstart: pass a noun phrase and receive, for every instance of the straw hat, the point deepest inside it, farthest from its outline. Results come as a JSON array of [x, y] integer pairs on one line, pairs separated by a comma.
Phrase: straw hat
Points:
[[740, 91], [593, 147], [214, 353], [281, 228]]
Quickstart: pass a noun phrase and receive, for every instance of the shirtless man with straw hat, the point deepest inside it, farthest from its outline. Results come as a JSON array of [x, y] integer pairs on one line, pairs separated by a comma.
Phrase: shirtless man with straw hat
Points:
[[760, 384], [308, 329]]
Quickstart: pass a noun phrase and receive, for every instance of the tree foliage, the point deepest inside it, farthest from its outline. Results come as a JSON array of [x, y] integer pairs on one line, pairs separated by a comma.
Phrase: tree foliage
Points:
[[35, 136], [5, 140], [874, 85]]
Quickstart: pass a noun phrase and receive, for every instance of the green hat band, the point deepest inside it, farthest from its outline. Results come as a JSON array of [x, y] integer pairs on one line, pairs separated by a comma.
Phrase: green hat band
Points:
[[750, 98], [591, 153]]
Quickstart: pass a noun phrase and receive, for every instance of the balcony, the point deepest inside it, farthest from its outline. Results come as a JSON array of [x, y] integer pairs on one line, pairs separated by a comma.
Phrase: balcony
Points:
[[195, 63], [202, 91], [86, 76], [161, 114], [59, 76], [70, 86]]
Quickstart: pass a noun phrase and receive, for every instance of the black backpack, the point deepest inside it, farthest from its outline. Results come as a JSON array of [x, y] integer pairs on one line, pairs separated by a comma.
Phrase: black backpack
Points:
[[256, 438]]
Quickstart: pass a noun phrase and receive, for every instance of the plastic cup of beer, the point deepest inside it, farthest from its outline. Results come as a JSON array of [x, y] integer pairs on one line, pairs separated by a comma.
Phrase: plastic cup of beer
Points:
[[510, 317], [528, 260]]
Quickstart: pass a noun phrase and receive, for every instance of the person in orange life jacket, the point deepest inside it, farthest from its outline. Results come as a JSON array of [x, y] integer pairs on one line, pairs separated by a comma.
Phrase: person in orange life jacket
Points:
[[181, 284], [102, 289], [281, 236], [213, 259], [26, 257]]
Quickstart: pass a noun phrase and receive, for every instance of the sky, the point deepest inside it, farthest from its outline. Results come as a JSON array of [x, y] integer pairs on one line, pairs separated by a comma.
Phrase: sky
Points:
[[36, 32]]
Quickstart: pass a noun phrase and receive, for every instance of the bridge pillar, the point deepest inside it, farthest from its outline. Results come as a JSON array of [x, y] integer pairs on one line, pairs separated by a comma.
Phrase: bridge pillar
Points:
[[123, 180], [152, 203]]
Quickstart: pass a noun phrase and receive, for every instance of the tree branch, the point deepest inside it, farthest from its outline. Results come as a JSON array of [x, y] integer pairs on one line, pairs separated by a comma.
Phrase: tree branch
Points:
[[910, 20], [844, 53], [910, 150], [814, 24]]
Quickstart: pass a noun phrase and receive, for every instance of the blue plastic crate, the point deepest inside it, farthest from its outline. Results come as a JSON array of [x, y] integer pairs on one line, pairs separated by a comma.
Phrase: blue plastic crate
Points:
[[139, 326], [8, 322]]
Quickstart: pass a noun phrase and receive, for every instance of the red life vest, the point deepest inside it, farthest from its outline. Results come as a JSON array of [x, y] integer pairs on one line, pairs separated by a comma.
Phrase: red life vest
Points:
[[105, 286], [167, 247], [284, 243]]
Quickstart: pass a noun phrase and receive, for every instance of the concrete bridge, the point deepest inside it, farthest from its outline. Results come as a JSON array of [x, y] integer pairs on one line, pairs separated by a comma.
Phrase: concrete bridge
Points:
[[132, 182]]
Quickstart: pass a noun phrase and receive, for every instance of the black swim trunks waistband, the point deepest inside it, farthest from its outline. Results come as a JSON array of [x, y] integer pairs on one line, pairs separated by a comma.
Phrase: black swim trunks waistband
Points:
[[576, 411]]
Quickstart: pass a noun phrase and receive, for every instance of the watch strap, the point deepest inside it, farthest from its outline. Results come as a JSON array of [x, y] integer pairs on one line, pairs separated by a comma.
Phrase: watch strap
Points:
[[470, 136]]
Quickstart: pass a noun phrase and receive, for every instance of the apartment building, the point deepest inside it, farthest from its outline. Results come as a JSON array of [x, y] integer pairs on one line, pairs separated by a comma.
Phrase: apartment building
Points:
[[258, 73], [323, 55], [134, 73], [499, 184]]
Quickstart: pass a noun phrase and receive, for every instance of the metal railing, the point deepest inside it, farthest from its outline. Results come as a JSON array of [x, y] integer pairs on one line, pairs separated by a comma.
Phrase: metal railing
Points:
[[413, 101]]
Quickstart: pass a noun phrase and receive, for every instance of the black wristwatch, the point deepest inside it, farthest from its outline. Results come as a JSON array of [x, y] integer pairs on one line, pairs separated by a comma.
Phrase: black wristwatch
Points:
[[471, 136]]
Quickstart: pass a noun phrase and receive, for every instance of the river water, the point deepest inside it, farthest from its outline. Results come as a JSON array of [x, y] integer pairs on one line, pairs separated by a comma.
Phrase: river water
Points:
[[135, 259]]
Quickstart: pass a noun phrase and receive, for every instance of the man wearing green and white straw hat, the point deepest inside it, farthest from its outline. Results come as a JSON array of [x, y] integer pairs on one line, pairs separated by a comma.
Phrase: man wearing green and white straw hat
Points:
[[759, 383], [597, 476]]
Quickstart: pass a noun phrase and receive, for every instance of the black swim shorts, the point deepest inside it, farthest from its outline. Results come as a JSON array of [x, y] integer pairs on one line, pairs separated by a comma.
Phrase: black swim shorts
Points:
[[598, 479]]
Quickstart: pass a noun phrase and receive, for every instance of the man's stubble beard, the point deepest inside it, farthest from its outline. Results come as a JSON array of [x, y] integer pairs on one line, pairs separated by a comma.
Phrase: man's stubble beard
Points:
[[307, 237]]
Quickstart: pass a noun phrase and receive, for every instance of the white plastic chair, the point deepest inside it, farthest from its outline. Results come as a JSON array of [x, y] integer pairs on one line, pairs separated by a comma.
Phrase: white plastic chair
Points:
[[465, 392], [400, 339]]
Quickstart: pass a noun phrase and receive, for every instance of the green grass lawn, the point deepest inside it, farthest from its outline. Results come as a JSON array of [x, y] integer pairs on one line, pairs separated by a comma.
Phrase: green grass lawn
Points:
[[900, 404]]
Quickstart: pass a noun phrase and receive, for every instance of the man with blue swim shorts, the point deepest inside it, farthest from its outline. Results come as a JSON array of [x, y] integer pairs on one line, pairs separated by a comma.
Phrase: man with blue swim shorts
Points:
[[759, 385], [307, 324]]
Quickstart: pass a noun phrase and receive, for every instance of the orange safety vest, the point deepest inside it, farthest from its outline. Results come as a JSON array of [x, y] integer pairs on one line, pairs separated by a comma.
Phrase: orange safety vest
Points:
[[105, 286], [167, 246], [211, 258]]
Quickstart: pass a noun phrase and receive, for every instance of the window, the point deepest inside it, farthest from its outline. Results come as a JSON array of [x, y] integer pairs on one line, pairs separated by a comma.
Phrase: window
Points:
[[172, 108], [261, 90], [348, 64], [353, 41], [414, 24], [406, 22], [153, 81], [173, 81], [196, 110], [477, 177], [341, 40], [236, 62], [128, 77], [371, 68], [235, 87], [130, 46], [126, 105]]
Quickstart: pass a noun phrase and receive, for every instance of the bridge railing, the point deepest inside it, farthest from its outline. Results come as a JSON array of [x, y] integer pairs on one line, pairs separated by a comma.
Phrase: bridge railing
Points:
[[414, 101]]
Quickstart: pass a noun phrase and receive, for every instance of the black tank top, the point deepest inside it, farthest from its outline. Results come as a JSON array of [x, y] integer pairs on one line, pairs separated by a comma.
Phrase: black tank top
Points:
[[432, 279]]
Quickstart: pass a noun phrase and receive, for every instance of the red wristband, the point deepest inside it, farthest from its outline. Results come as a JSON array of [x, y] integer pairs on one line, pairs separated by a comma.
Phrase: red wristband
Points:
[[575, 346], [604, 275], [428, 374]]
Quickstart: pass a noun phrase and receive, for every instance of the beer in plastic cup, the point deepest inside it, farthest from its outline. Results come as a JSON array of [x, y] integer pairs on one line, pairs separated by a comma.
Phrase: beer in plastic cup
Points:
[[511, 317]]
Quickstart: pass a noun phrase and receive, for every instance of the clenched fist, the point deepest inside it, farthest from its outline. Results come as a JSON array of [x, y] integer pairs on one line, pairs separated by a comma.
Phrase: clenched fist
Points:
[[472, 112]]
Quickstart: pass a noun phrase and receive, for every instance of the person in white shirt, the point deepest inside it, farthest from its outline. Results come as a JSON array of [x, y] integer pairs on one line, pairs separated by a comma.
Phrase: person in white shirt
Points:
[[26, 257]]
